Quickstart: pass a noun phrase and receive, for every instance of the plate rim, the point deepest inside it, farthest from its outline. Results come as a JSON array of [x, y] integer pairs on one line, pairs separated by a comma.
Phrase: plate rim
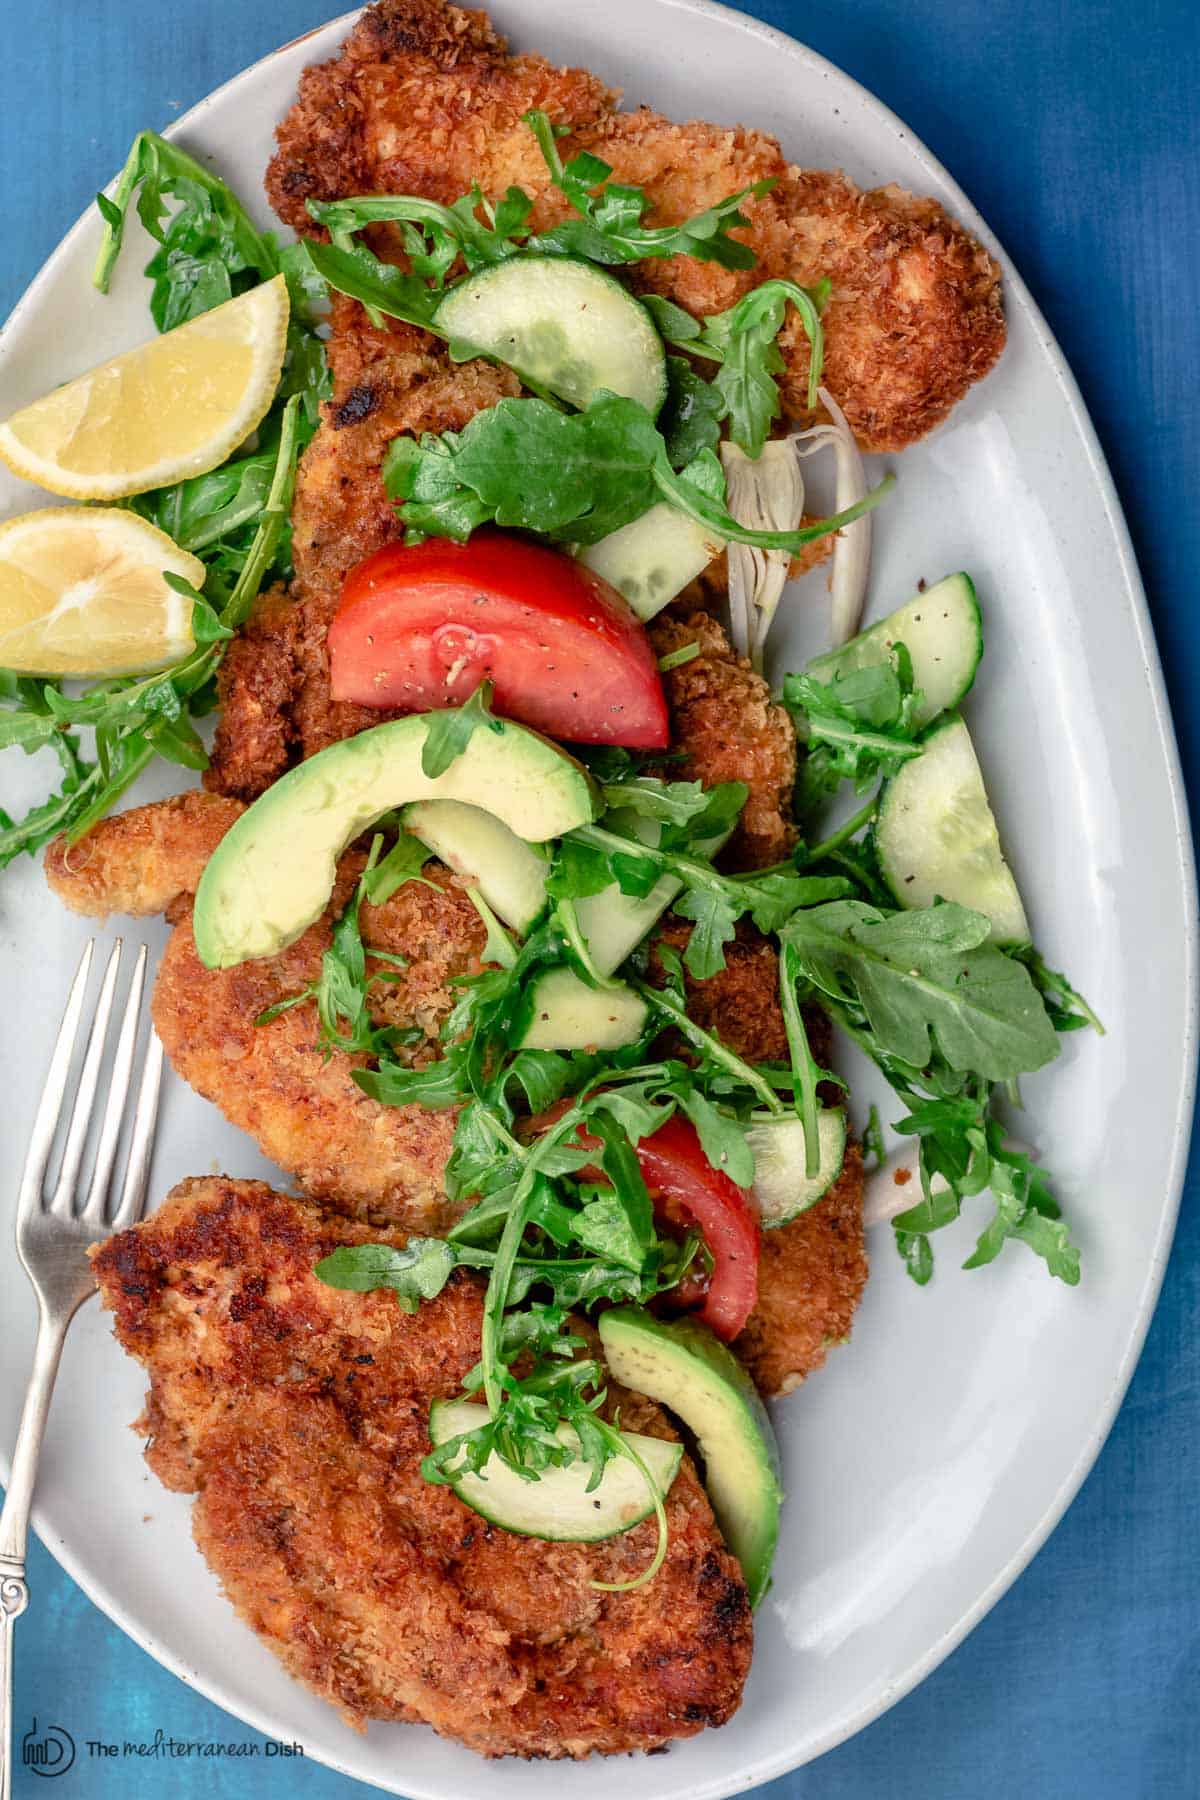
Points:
[[1017, 294]]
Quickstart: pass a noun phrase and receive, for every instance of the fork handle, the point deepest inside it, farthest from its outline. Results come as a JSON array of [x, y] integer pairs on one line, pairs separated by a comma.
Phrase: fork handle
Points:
[[14, 1598], [14, 1520]]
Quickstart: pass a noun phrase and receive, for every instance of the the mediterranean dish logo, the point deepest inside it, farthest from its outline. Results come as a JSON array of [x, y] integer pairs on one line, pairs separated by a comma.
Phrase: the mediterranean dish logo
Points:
[[50, 1750]]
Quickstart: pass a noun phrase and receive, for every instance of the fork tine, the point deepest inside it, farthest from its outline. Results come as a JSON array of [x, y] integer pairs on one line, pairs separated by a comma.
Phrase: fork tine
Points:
[[141, 1143], [118, 1093], [50, 1105], [85, 1093]]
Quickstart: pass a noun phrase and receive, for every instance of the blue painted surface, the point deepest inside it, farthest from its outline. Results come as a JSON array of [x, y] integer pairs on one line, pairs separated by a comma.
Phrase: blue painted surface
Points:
[[1074, 125]]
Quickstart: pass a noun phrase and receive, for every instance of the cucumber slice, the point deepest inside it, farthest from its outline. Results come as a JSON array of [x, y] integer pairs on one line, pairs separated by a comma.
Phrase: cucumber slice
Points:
[[557, 1506], [942, 631], [567, 325], [478, 846], [651, 559], [615, 923], [685, 1367], [570, 1015], [936, 837], [781, 1189]]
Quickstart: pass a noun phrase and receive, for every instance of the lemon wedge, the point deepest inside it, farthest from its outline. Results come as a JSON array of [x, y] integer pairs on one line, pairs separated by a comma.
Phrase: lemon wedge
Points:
[[82, 593], [175, 407]]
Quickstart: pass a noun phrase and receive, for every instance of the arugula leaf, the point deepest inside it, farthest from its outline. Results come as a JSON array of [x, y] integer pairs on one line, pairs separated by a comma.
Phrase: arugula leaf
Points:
[[212, 240], [690, 420], [403, 862], [438, 1086], [1068, 1009], [675, 325], [747, 335], [744, 341], [805, 1073], [917, 1253], [418, 1272], [871, 1138], [716, 1055], [714, 902], [670, 802], [1025, 1210], [927, 977], [714, 919], [609, 228], [572, 477], [861, 725], [436, 234], [619, 1162], [722, 1138], [342, 989], [353, 270], [522, 463], [448, 733]]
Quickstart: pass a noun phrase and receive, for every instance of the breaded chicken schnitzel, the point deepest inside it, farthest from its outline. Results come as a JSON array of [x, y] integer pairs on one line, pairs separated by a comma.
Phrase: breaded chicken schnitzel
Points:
[[425, 98], [296, 1413]]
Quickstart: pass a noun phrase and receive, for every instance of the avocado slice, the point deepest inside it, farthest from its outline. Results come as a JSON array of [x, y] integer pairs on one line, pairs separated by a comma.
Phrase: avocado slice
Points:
[[481, 848], [567, 1014], [682, 1365], [273, 873], [559, 1505]]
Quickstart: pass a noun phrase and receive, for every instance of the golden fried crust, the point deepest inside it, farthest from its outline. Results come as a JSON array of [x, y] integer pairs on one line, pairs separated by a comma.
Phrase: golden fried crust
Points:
[[422, 98], [348, 1151], [387, 382], [256, 684], [297, 1415], [143, 860], [740, 1003], [811, 1275], [723, 718], [425, 99]]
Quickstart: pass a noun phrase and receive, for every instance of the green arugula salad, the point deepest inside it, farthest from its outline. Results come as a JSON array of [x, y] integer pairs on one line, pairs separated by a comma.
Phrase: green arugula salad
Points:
[[615, 1162]]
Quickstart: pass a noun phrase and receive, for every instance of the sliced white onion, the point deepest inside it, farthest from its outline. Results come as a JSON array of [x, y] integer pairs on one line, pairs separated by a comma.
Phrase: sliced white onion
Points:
[[852, 545], [896, 1184], [766, 494]]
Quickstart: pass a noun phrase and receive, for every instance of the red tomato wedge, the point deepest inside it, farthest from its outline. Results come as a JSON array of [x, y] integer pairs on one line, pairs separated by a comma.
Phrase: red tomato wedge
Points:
[[683, 1183], [686, 1189], [422, 627]]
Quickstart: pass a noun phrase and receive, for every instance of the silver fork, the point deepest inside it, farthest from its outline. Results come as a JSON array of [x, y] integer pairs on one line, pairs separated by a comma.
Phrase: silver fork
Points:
[[53, 1236]]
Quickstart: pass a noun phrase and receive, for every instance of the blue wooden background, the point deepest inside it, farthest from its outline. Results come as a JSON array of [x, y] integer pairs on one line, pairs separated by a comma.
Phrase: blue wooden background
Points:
[[1073, 124]]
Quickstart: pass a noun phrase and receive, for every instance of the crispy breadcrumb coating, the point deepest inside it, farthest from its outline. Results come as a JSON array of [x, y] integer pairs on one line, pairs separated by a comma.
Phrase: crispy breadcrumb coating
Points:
[[811, 1274], [142, 861], [724, 721], [296, 1413]]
